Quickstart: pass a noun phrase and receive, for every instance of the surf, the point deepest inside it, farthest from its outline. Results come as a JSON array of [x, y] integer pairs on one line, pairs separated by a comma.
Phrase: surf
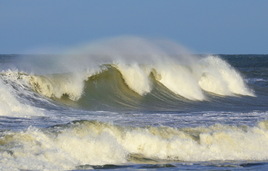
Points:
[[92, 143]]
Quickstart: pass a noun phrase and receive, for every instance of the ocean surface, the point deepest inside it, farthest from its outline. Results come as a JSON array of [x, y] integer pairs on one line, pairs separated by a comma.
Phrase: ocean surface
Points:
[[133, 105]]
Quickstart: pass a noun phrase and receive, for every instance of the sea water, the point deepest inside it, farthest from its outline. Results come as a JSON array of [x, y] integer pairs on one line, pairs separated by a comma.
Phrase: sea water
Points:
[[131, 104]]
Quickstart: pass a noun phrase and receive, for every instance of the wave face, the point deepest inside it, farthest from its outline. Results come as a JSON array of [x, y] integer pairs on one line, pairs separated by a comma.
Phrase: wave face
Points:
[[133, 103]]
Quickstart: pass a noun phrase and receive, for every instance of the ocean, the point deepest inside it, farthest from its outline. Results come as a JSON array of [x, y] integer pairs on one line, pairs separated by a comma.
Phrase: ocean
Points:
[[133, 105]]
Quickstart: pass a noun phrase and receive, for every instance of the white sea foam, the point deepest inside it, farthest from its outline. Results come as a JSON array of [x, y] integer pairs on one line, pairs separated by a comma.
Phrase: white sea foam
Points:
[[95, 143], [189, 79], [180, 79], [58, 85], [218, 77], [10, 102], [136, 77]]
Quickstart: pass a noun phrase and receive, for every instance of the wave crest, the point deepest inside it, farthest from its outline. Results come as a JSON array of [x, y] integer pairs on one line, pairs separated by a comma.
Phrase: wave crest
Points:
[[116, 82], [58, 85], [133, 70]]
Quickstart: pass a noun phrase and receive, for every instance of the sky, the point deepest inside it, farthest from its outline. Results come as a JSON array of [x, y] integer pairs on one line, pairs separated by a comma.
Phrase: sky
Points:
[[203, 26]]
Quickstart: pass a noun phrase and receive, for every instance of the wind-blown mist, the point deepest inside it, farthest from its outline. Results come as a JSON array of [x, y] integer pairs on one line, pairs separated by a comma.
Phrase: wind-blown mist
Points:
[[139, 61]]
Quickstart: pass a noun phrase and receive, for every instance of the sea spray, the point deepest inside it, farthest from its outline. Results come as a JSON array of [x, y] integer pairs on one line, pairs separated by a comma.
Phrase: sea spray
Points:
[[137, 59]]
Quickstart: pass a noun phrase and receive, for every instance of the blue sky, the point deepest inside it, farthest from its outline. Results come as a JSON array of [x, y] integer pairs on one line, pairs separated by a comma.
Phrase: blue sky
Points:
[[204, 26]]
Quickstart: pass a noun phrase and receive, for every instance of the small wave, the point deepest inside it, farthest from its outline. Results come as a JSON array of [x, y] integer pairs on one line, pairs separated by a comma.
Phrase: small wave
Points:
[[253, 80]]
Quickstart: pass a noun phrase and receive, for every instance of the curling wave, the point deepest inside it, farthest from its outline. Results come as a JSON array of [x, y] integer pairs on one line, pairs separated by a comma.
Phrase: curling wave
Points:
[[128, 72], [134, 84], [210, 74]]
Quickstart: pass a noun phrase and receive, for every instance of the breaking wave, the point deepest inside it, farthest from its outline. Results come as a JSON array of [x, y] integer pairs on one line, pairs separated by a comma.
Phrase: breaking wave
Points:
[[89, 143], [130, 84], [125, 72]]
